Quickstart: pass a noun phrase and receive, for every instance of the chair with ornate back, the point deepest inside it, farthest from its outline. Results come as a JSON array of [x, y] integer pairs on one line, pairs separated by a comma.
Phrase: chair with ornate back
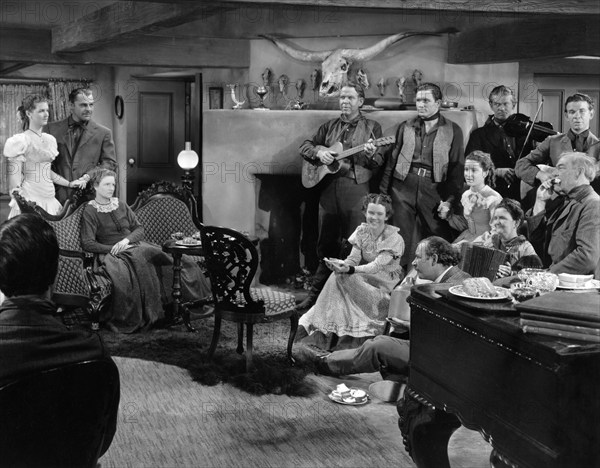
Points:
[[65, 416], [165, 208], [77, 283], [481, 261], [232, 261]]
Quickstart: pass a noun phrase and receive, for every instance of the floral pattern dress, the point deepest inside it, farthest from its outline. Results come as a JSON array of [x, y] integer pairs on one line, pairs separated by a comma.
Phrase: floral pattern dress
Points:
[[477, 211], [357, 304], [36, 154]]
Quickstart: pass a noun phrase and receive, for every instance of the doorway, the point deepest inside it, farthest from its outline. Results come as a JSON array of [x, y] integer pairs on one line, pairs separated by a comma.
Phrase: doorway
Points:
[[157, 132]]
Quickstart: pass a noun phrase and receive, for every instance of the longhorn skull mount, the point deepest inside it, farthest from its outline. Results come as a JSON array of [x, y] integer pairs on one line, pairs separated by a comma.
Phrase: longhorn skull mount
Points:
[[336, 63]]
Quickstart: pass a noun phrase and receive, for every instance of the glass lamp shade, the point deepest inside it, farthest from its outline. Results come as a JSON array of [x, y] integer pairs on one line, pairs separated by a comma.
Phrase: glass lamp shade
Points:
[[188, 158]]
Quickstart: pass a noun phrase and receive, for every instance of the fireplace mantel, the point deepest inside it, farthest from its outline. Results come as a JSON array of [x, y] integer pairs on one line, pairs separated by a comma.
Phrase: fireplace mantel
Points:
[[239, 144]]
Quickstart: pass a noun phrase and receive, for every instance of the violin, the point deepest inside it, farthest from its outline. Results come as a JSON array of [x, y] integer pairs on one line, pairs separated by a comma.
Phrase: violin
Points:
[[520, 125]]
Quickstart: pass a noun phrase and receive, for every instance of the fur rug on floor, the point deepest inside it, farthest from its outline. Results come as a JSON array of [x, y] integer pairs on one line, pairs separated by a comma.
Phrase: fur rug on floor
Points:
[[272, 373]]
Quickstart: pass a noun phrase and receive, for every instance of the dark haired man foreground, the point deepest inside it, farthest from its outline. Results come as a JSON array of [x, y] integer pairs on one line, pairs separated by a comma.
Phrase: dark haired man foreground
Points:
[[32, 339]]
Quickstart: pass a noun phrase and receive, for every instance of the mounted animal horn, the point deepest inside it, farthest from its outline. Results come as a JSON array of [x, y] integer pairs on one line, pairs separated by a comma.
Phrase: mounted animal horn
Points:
[[335, 63], [302, 55]]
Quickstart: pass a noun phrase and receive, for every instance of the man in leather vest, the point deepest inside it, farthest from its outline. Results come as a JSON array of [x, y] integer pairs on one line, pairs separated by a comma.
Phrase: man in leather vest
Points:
[[341, 193], [425, 171], [82, 143]]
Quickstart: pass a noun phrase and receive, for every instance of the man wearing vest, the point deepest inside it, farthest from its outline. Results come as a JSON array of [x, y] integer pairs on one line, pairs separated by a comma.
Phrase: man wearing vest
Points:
[[341, 194], [425, 171]]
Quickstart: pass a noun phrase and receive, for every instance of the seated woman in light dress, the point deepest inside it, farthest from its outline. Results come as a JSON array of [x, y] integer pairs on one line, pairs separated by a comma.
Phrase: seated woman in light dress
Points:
[[141, 273], [354, 302], [503, 235], [30, 155], [478, 201]]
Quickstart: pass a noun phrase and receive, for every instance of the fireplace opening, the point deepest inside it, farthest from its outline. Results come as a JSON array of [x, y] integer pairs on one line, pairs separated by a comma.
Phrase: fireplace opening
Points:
[[291, 228]]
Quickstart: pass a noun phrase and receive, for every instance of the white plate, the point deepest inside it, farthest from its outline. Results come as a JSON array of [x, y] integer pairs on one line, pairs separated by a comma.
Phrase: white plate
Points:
[[591, 284], [503, 294], [196, 243], [335, 396]]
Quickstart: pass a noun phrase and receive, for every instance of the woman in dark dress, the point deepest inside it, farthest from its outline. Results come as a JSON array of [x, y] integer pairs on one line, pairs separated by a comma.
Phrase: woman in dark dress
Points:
[[141, 273]]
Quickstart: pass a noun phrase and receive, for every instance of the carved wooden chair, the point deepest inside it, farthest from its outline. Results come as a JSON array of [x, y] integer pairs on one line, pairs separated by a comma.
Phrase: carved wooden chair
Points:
[[481, 261], [77, 283], [232, 261]]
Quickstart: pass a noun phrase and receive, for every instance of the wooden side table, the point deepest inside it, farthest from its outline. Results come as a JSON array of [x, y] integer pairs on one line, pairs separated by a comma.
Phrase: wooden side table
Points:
[[180, 308]]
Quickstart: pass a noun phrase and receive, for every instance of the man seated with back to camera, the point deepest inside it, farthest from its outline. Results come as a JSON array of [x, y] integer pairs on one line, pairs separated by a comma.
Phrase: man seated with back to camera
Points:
[[565, 224], [32, 339], [435, 261]]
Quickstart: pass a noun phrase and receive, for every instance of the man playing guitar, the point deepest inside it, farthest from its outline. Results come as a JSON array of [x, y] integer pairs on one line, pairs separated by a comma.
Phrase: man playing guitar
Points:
[[341, 192]]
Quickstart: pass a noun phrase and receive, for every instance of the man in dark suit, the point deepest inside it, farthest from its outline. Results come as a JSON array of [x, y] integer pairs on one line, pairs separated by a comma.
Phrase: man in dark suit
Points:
[[82, 143], [435, 260]]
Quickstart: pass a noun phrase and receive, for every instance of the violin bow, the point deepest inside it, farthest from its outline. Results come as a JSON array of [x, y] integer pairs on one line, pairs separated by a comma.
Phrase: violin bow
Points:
[[531, 128]]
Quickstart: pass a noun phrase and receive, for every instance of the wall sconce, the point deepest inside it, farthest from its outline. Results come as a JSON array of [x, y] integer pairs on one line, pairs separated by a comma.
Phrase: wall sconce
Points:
[[188, 160]]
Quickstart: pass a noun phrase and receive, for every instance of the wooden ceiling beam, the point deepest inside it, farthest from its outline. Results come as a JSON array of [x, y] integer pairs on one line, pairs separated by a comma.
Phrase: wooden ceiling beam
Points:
[[13, 68], [517, 7], [120, 21], [522, 40], [20, 45]]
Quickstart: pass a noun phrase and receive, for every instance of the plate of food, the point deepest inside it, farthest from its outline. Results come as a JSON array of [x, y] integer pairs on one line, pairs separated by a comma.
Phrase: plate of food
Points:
[[591, 284], [480, 289], [349, 396], [189, 242]]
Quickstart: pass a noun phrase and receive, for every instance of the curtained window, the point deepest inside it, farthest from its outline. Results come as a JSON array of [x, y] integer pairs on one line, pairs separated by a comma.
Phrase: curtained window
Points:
[[11, 96]]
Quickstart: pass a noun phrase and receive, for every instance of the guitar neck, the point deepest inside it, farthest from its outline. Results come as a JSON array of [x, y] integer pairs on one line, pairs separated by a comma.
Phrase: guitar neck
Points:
[[350, 152]]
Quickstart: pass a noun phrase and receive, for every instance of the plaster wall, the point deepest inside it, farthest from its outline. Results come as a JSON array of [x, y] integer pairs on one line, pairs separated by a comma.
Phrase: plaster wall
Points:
[[240, 144]]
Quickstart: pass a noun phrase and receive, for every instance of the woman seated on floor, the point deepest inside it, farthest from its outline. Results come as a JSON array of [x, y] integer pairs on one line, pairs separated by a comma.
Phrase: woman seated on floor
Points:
[[503, 235], [141, 273], [353, 305], [478, 201]]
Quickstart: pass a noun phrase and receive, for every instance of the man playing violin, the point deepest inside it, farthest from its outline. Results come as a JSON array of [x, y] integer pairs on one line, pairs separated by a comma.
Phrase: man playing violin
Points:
[[579, 110], [493, 139], [341, 193]]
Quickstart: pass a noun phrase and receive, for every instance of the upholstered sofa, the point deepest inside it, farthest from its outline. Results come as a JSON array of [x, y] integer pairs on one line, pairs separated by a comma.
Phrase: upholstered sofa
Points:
[[162, 209]]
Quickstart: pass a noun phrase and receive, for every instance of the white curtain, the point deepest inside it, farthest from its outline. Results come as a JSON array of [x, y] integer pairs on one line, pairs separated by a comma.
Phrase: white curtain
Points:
[[59, 97]]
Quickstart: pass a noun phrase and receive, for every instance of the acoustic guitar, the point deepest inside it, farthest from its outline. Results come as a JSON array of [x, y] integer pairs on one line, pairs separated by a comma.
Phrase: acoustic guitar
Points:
[[313, 173]]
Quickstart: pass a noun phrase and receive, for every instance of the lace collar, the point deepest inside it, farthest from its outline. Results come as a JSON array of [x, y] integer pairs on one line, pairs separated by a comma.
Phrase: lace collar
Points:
[[112, 205]]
